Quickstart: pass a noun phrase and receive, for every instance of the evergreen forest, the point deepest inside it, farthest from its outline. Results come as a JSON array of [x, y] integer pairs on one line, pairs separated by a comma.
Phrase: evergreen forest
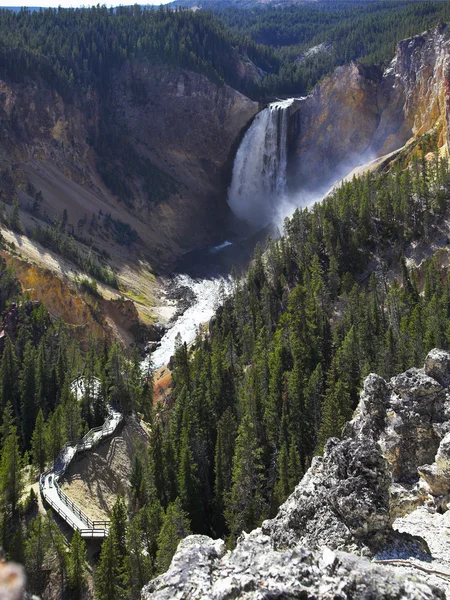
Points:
[[276, 374], [74, 49]]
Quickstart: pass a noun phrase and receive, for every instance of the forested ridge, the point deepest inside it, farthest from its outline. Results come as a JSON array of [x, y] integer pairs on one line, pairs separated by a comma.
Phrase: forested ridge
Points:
[[364, 31], [70, 48]]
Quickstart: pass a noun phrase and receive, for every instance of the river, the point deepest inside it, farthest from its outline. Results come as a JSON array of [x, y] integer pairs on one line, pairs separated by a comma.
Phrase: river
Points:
[[257, 187]]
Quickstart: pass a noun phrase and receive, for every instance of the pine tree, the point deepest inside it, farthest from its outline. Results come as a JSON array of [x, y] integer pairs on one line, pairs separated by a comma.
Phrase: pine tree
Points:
[[41, 380], [294, 468], [188, 484], [58, 550], [27, 394], [37, 548], [118, 393], [157, 463], [8, 422], [56, 433], [332, 418], [14, 216], [245, 506], [175, 527], [282, 486], [139, 562], [71, 412], [119, 523], [11, 477], [137, 482], [16, 546], [151, 518], [146, 401], [9, 377], [77, 572], [90, 389], [39, 443], [109, 575], [223, 461]]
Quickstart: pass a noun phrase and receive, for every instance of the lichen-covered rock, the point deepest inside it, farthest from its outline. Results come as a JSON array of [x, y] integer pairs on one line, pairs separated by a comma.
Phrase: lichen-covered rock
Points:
[[437, 475], [437, 366], [406, 418], [342, 502], [369, 418], [406, 498], [190, 570], [256, 571]]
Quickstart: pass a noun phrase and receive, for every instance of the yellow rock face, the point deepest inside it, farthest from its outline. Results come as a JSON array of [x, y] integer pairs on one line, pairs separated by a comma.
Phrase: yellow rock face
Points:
[[360, 113]]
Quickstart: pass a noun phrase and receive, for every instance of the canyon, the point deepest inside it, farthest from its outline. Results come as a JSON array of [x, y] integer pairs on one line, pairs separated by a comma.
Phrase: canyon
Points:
[[180, 139]]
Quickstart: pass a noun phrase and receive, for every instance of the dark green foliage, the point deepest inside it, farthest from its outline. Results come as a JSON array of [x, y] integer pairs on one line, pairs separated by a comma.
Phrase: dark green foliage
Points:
[[71, 48], [77, 565], [348, 30], [174, 528], [286, 354], [245, 502], [80, 48], [110, 573]]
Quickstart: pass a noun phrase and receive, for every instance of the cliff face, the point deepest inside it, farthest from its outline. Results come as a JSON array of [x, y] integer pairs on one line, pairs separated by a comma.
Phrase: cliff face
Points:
[[189, 128], [381, 491], [361, 113], [153, 152]]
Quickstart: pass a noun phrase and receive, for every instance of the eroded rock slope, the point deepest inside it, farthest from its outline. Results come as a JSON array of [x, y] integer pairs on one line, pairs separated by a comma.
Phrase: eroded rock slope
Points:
[[361, 113], [153, 152]]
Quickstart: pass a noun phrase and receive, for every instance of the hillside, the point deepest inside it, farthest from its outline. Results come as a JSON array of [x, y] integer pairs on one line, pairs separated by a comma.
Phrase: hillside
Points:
[[119, 154]]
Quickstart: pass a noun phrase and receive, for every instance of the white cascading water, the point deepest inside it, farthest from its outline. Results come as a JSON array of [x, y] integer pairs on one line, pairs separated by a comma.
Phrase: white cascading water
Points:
[[257, 188], [207, 293], [259, 171]]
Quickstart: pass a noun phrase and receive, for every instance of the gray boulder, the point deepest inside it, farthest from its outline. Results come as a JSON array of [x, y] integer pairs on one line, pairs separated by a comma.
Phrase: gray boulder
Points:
[[342, 502], [256, 571], [437, 366], [346, 502], [437, 475]]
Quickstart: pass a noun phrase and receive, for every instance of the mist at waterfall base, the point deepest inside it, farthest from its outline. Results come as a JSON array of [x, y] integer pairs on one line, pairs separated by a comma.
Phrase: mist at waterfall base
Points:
[[263, 192], [259, 193], [260, 197]]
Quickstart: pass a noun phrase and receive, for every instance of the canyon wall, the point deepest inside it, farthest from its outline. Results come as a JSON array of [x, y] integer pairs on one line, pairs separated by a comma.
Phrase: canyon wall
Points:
[[361, 113], [155, 152]]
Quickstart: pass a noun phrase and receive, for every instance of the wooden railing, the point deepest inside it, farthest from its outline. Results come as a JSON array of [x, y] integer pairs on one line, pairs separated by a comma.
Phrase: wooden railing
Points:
[[93, 528]]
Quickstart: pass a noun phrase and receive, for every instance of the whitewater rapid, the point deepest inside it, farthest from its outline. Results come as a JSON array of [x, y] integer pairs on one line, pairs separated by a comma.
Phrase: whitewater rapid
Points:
[[208, 294]]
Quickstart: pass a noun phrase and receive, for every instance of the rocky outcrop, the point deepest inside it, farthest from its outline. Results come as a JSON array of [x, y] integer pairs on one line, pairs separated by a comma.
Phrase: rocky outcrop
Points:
[[407, 417], [361, 113], [255, 571], [348, 501], [342, 502]]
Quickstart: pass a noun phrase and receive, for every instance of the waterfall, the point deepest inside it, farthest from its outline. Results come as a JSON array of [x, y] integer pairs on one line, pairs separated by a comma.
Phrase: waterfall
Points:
[[259, 170]]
